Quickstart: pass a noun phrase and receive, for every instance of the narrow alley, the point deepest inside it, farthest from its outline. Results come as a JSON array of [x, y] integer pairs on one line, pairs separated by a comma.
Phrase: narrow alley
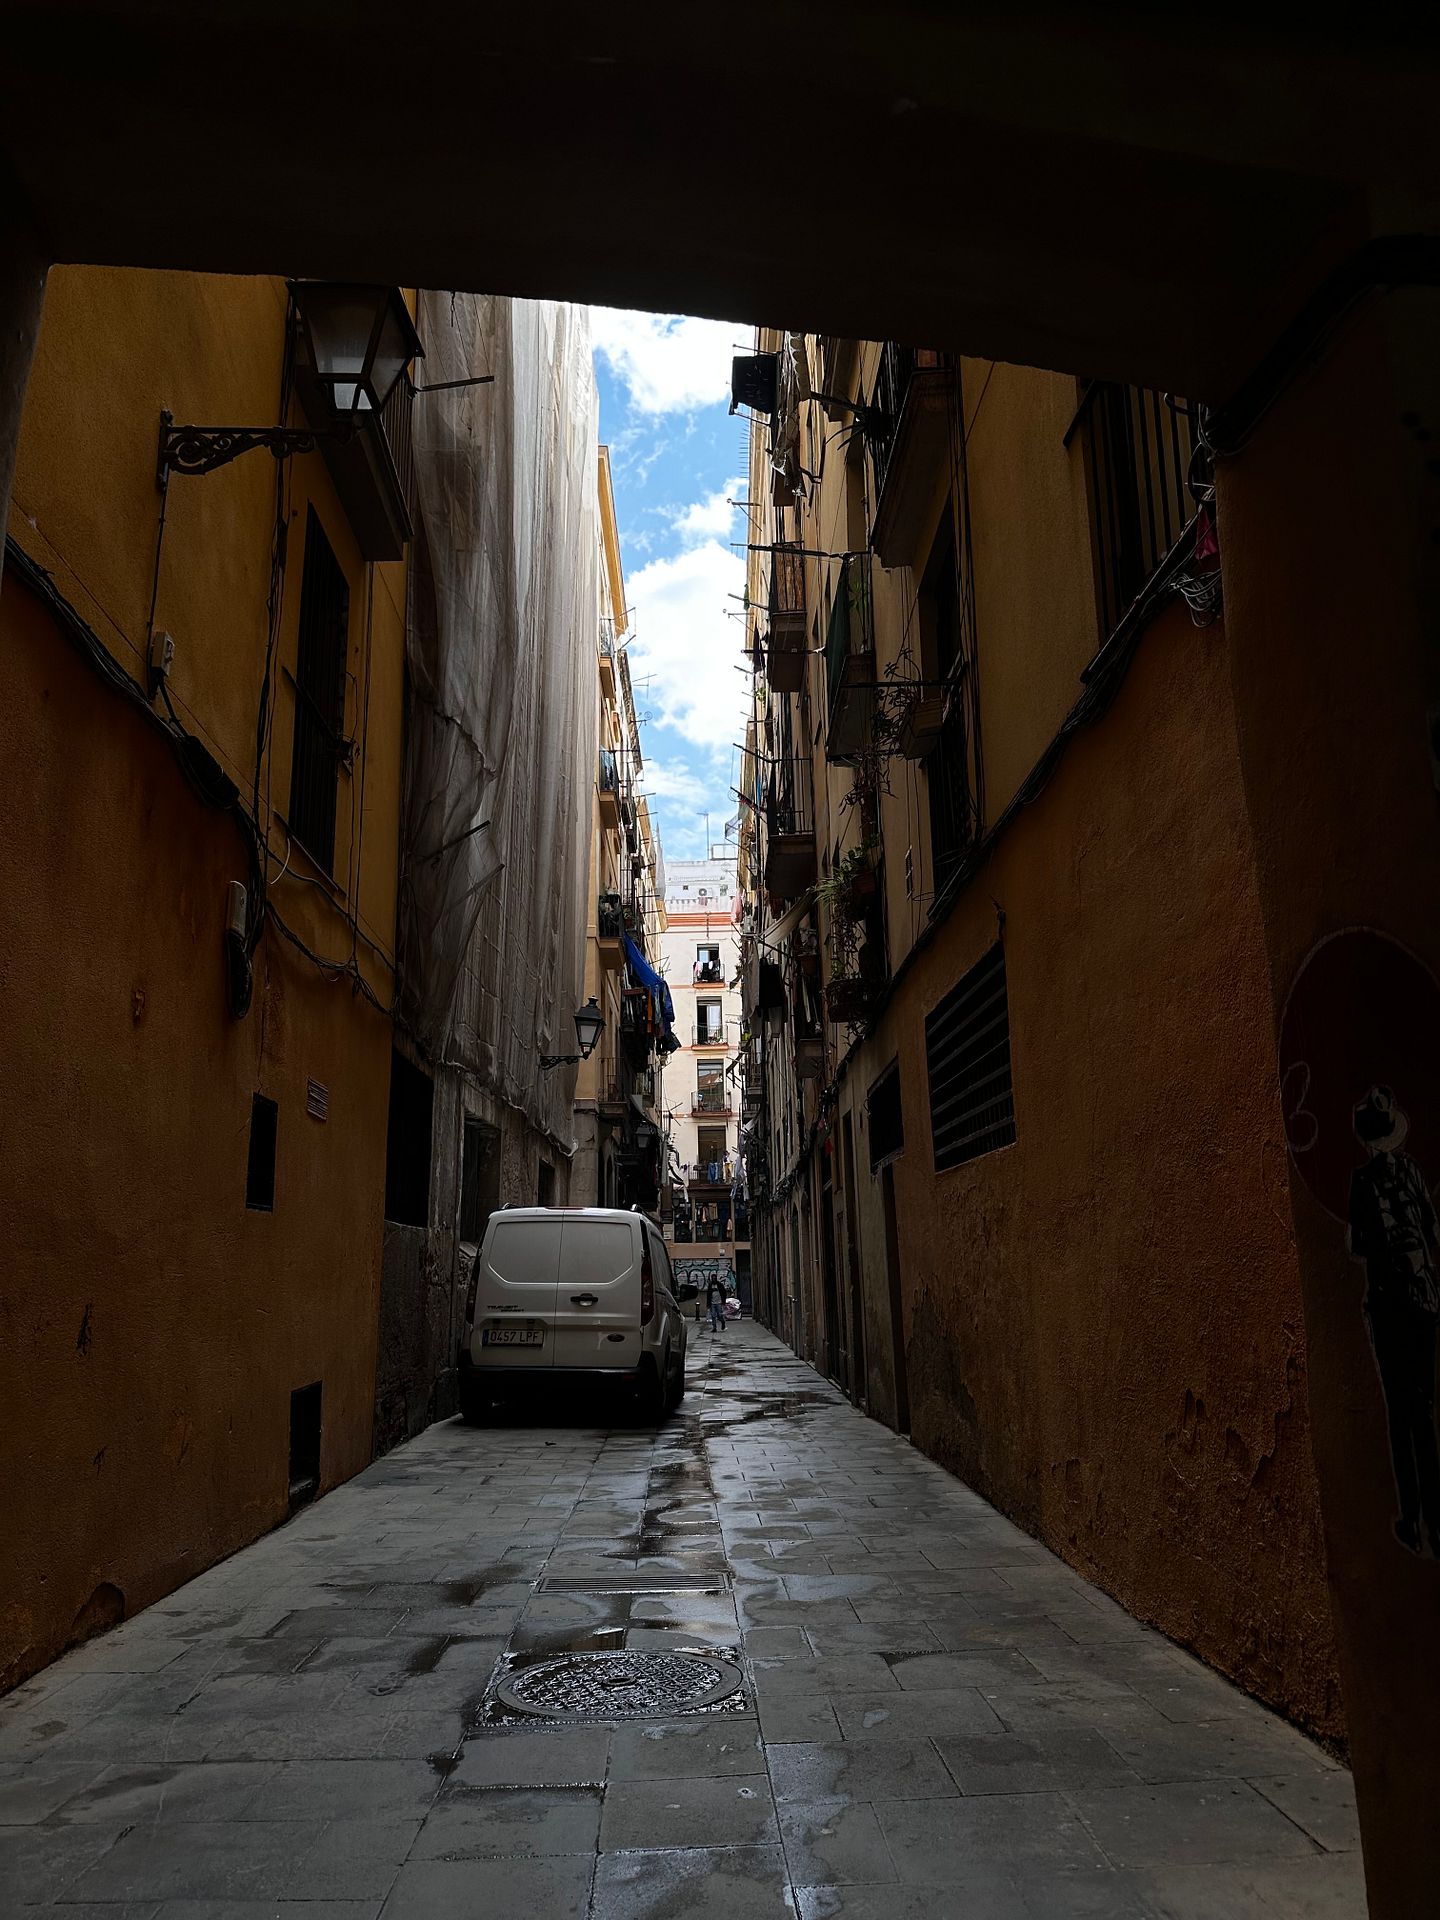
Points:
[[899, 1704]]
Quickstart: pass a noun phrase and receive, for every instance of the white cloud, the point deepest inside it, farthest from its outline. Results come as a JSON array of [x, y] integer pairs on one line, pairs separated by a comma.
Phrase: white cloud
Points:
[[673, 780], [667, 364], [710, 519], [687, 645]]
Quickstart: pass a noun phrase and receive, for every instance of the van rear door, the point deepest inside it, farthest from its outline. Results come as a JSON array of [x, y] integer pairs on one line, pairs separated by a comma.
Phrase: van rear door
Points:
[[515, 1295], [597, 1307]]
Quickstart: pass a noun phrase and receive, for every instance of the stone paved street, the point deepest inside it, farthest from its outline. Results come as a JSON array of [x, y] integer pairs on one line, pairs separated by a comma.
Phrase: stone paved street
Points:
[[937, 1718]]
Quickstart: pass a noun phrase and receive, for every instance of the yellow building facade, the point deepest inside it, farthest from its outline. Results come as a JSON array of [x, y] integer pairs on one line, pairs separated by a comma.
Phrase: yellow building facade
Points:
[[197, 1118], [1016, 1147]]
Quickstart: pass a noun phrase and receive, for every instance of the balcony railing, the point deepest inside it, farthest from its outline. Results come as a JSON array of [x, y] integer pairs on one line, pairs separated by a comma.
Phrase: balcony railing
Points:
[[610, 913], [396, 421], [708, 1034], [373, 468], [709, 973], [710, 1100], [607, 637], [908, 430], [1139, 446], [609, 771], [850, 661], [790, 828], [785, 643]]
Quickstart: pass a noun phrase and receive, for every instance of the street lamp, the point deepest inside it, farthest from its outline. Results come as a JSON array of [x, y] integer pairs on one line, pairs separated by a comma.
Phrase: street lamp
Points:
[[359, 340], [589, 1025]]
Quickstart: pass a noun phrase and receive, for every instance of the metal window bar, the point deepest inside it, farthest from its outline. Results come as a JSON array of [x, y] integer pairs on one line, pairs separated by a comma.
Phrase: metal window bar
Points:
[[609, 772], [1138, 448], [967, 1056], [790, 806], [887, 398], [397, 426], [319, 745], [787, 584]]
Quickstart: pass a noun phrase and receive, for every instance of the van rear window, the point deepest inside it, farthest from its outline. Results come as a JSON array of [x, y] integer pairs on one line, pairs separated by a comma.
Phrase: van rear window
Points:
[[598, 1250], [524, 1250]]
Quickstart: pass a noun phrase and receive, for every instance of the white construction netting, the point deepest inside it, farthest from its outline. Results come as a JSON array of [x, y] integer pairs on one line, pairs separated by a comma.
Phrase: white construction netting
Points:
[[503, 722]]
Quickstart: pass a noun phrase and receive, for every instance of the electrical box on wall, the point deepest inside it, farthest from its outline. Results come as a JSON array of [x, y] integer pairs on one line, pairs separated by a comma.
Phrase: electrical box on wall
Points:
[[162, 656]]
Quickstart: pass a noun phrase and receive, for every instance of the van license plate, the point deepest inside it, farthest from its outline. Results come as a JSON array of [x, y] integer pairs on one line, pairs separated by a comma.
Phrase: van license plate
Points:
[[512, 1336]]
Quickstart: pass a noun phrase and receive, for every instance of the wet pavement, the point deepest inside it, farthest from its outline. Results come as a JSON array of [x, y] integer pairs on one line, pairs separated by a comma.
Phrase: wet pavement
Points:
[[896, 1704]]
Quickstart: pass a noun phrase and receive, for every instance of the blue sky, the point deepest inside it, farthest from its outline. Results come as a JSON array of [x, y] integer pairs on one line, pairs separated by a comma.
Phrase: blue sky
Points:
[[677, 456]]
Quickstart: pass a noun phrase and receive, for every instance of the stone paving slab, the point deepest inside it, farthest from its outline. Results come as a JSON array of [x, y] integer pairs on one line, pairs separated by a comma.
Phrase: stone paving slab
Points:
[[939, 1718]]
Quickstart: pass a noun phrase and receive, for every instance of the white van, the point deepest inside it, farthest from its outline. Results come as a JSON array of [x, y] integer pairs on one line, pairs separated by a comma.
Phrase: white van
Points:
[[561, 1292]]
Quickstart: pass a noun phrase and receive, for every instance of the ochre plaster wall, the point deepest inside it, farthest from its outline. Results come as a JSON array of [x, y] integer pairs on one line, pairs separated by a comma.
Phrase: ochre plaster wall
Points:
[[1103, 1321], [1330, 533], [151, 1327]]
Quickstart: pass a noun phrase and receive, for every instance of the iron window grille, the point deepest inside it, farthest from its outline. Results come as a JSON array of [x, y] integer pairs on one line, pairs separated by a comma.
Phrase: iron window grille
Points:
[[967, 1057], [790, 807], [319, 748], [1139, 446], [887, 400]]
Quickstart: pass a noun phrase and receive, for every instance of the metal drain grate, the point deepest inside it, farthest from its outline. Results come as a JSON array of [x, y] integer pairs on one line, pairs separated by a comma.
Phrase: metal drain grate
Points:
[[620, 1686]]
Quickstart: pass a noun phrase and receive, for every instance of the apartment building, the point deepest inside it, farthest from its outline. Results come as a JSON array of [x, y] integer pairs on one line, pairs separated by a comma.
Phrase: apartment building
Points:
[[1014, 1132]]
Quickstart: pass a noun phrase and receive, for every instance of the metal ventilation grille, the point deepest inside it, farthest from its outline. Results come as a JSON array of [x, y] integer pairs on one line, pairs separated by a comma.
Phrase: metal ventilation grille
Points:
[[967, 1054]]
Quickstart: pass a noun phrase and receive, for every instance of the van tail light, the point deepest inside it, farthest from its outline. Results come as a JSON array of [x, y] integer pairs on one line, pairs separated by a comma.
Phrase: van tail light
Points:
[[472, 1289], [647, 1289]]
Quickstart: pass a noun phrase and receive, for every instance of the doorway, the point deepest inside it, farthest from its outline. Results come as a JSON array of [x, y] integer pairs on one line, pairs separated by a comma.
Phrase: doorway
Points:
[[897, 1316], [859, 1377]]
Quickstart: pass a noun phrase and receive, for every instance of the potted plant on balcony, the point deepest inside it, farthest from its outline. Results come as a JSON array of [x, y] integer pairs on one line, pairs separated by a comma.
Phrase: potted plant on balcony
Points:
[[847, 999], [853, 883]]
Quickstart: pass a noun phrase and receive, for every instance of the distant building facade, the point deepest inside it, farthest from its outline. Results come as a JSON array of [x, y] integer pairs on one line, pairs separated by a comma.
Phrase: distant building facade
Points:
[[707, 1207]]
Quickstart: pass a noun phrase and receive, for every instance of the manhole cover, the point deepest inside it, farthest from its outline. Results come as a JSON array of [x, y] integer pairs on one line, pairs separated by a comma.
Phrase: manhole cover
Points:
[[624, 1686]]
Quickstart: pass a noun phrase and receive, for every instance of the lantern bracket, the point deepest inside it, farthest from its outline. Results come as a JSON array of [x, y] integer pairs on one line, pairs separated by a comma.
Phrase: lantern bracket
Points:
[[196, 450]]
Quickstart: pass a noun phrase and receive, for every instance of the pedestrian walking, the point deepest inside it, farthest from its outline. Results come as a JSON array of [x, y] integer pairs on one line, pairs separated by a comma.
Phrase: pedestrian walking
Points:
[[715, 1298]]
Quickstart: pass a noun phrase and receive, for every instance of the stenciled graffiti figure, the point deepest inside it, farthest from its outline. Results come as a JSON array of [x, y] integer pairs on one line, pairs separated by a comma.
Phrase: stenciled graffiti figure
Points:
[[1393, 1230]]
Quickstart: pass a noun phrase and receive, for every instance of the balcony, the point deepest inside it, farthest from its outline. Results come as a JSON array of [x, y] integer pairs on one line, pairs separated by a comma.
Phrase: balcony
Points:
[[711, 1177], [909, 436], [708, 1035], [790, 829], [709, 973], [608, 784], [785, 644], [850, 662], [612, 1102], [637, 1024], [713, 1100], [372, 468], [607, 656], [610, 927]]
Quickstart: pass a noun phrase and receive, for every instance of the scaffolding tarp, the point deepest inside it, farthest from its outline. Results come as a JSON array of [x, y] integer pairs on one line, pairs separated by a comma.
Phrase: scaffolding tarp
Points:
[[502, 697]]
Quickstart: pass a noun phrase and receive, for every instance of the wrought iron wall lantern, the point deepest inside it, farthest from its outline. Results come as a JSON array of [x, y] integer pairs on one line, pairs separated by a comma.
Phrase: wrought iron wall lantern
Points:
[[359, 341], [589, 1026]]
